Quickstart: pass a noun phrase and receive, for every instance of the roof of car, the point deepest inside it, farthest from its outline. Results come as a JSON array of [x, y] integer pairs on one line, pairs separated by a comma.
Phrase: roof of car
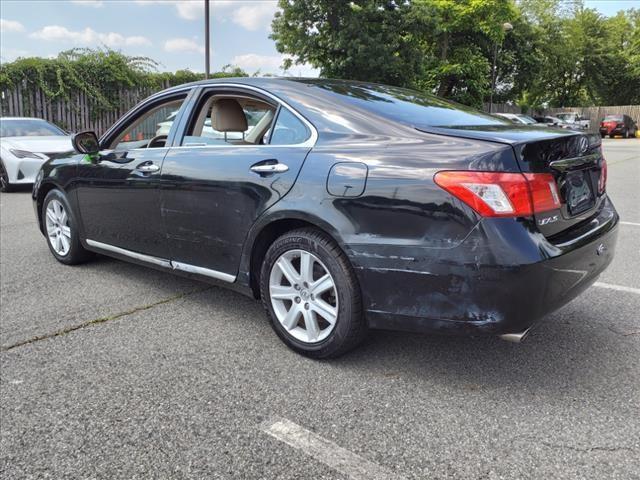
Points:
[[263, 82]]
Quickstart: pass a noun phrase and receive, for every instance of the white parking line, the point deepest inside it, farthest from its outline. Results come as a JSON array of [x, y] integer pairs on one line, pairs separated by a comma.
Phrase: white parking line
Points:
[[620, 288], [325, 451], [630, 223]]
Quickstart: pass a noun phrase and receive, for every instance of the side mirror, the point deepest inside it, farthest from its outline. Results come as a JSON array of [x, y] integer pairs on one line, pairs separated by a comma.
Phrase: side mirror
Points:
[[86, 142]]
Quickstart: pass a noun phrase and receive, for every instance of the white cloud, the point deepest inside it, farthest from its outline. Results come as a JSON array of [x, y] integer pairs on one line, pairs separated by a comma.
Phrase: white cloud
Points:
[[88, 36], [249, 14], [255, 15], [10, 54], [187, 9], [89, 3], [10, 26], [252, 62], [184, 45]]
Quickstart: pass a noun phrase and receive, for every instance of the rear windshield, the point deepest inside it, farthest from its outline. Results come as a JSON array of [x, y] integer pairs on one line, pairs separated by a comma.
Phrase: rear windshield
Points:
[[409, 106], [27, 127], [613, 118]]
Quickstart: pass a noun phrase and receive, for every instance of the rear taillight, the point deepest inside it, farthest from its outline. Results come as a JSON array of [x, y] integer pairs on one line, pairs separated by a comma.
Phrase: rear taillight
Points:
[[602, 181], [494, 194]]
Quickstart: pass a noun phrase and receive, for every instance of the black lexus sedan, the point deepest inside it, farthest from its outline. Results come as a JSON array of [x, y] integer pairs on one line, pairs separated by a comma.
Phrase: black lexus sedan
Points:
[[343, 206]]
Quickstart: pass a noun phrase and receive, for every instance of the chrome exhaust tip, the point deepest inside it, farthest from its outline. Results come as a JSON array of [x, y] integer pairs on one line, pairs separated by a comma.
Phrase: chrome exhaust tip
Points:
[[515, 337]]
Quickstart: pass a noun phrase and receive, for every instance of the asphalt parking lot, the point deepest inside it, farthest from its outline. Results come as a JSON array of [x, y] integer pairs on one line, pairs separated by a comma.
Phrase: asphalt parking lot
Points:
[[110, 370]]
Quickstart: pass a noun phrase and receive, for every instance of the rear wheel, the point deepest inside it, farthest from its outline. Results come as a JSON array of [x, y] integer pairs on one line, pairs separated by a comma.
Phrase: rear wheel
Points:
[[311, 294], [60, 227], [5, 186]]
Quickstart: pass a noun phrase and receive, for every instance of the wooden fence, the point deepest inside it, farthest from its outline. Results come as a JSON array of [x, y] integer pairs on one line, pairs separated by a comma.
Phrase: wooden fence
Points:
[[78, 112]]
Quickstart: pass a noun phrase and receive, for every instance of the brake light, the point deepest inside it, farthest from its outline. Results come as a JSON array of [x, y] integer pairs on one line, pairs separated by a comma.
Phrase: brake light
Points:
[[496, 194], [602, 181]]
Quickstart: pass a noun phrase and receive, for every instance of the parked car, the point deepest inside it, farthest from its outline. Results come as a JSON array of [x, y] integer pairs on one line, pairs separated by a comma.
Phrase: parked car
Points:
[[613, 125], [575, 120], [520, 119], [552, 121], [348, 206], [25, 144]]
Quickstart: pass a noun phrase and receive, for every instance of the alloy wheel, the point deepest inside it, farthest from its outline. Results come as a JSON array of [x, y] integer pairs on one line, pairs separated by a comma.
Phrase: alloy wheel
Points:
[[58, 229], [304, 296]]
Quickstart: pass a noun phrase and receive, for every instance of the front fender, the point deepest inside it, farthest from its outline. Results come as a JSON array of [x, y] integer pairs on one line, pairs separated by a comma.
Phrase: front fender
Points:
[[57, 173]]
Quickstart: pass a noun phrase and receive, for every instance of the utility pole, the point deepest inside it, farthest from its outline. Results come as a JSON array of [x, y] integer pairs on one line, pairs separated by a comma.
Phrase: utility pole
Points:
[[206, 39], [506, 27]]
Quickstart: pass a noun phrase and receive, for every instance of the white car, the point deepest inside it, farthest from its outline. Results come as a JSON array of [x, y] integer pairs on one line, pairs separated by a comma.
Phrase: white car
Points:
[[25, 144], [520, 119], [575, 120]]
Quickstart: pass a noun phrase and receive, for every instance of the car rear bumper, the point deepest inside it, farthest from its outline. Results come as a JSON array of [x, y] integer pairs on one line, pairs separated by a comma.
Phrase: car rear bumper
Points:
[[502, 279]]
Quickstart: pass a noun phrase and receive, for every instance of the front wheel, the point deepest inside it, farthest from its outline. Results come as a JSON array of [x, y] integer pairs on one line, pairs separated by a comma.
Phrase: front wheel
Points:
[[61, 229], [311, 294]]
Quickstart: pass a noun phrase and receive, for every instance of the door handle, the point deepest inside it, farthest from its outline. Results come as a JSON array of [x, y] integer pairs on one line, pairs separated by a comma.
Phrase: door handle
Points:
[[148, 168], [270, 168]]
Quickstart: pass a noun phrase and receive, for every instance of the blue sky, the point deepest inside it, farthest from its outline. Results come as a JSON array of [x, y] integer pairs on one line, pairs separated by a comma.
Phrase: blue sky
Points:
[[169, 31]]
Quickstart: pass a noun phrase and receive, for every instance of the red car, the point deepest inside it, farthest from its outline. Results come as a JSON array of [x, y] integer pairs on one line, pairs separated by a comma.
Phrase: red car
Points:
[[613, 125]]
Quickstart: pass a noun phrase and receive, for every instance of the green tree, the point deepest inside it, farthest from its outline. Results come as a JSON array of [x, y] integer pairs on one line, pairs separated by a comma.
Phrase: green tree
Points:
[[370, 40], [442, 46]]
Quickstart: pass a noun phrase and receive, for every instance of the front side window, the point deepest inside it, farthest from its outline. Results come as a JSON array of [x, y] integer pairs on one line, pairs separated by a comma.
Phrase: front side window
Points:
[[150, 128], [289, 129], [230, 120]]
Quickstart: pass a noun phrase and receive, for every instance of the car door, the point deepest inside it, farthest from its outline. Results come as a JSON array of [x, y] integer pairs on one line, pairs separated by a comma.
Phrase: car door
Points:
[[213, 190], [118, 190]]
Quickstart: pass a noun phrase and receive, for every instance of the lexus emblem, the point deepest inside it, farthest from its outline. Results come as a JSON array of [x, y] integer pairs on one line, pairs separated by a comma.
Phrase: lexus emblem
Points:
[[584, 144], [601, 249]]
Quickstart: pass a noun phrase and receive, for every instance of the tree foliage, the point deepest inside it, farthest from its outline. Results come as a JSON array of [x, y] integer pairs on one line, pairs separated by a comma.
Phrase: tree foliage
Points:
[[101, 74], [558, 53]]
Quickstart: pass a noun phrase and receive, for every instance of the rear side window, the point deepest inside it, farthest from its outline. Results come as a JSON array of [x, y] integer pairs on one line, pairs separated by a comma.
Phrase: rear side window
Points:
[[229, 119], [289, 129]]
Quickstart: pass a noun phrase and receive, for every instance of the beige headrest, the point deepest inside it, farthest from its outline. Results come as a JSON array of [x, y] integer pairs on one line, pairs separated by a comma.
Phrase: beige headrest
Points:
[[227, 116]]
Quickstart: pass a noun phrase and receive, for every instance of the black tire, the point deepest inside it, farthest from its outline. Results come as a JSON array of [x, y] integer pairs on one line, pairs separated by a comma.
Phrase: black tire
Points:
[[612, 135], [602, 135], [350, 327], [5, 186], [626, 133], [77, 253]]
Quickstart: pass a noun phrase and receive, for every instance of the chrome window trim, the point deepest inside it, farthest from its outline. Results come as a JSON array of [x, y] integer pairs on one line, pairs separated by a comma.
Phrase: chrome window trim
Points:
[[185, 267], [309, 143]]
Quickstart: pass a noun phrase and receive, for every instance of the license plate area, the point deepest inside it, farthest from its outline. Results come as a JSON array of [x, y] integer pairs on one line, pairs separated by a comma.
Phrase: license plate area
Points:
[[577, 190]]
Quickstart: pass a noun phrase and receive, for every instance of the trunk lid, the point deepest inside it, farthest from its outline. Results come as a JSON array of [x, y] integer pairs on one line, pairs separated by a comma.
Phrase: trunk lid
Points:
[[574, 159]]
